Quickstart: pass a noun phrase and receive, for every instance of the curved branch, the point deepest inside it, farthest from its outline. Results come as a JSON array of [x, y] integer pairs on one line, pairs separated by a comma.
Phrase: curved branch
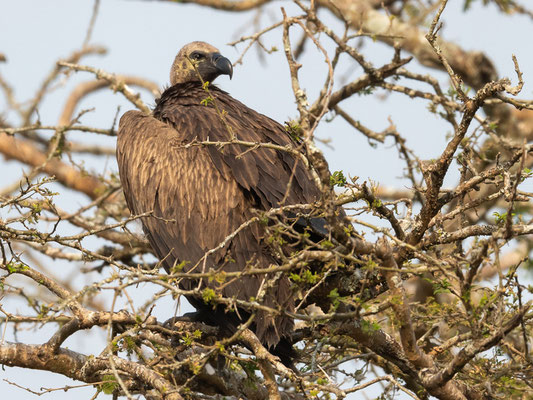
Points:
[[27, 153], [81, 367], [225, 5], [115, 82], [65, 362], [73, 58], [85, 88], [474, 67]]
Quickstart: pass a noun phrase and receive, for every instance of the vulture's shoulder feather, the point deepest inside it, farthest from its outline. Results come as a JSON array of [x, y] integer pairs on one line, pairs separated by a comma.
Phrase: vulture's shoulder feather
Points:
[[270, 176]]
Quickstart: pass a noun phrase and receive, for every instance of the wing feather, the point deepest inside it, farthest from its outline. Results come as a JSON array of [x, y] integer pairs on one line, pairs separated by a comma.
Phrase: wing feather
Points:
[[194, 207], [177, 184]]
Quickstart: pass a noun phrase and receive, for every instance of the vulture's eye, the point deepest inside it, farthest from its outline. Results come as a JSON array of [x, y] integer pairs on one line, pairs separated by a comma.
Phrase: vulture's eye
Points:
[[196, 56]]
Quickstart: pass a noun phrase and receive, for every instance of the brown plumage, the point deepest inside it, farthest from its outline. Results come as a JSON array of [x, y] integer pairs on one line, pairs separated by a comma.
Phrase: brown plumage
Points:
[[201, 194]]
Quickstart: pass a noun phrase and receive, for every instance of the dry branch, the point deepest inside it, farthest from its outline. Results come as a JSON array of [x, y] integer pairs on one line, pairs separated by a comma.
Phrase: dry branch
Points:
[[27, 153]]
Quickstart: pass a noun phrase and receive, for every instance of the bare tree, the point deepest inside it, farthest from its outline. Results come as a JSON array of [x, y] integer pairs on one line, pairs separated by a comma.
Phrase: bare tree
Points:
[[426, 301]]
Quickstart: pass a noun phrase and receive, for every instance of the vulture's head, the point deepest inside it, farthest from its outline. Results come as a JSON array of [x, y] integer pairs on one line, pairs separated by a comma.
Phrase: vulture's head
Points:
[[199, 59]]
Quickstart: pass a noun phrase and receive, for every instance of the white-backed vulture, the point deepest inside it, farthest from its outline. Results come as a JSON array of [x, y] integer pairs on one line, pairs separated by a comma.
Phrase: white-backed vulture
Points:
[[200, 194]]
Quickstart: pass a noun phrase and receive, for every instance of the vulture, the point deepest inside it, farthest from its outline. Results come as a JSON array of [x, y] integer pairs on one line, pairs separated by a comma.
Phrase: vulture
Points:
[[199, 196]]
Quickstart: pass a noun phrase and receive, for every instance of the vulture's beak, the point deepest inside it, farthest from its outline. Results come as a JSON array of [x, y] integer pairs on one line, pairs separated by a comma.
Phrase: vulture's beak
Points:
[[222, 64]]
